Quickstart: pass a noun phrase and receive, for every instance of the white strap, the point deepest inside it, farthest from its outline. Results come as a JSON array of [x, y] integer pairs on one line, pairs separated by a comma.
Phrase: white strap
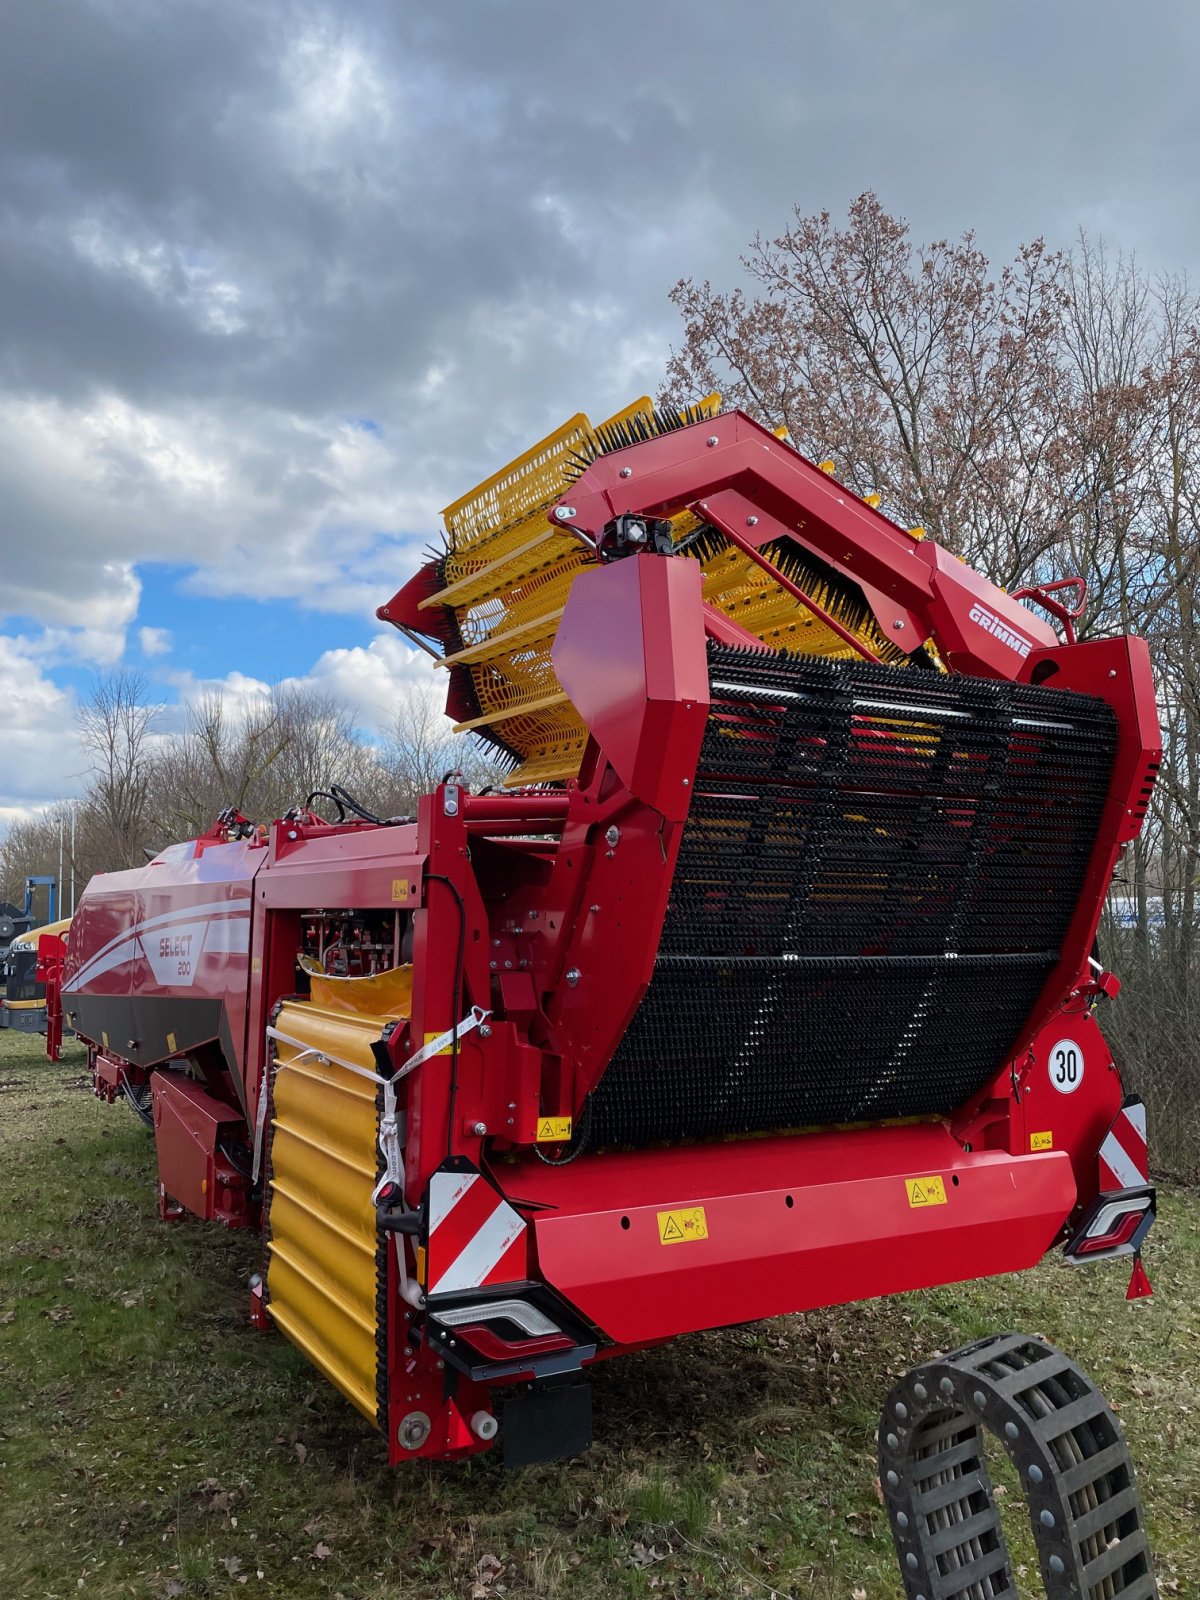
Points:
[[434, 1047], [473, 1018], [391, 1145]]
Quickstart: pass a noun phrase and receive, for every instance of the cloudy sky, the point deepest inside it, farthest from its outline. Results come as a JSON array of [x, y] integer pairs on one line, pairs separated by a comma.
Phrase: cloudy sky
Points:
[[278, 281]]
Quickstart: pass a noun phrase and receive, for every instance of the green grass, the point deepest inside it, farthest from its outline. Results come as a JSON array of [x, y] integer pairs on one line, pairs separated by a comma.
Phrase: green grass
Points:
[[153, 1444]]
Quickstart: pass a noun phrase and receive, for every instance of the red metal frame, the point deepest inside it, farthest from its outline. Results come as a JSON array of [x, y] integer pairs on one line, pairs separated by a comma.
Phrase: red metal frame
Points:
[[555, 901]]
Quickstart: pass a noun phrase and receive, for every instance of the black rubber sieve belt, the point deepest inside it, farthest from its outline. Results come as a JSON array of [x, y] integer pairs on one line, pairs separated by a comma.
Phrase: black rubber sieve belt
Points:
[[875, 879], [1076, 1475]]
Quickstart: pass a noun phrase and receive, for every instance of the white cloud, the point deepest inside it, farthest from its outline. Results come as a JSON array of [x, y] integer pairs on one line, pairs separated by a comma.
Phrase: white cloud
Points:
[[41, 759], [155, 641], [368, 682], [373, 682]]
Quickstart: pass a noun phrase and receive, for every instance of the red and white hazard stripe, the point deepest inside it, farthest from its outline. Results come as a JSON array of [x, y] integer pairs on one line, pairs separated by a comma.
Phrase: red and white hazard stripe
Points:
[[1124, 1163], [475, 1237]]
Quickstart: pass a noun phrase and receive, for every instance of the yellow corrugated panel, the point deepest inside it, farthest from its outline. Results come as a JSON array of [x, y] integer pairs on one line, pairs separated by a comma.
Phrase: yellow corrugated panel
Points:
[[322, 1244]]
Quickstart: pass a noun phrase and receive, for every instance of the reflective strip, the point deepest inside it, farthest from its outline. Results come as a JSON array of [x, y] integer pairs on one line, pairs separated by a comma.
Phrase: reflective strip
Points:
[[1124, 1160], [484, 1253], [445, 1193], [1124, 1172]]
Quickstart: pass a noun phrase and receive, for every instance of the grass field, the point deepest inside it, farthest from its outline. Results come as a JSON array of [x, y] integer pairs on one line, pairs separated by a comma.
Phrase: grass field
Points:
[[152, 1444]]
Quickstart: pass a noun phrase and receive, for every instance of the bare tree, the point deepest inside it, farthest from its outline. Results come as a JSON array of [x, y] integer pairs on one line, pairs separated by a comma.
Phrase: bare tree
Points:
[[421, 749], [115, 728], [927, 378]]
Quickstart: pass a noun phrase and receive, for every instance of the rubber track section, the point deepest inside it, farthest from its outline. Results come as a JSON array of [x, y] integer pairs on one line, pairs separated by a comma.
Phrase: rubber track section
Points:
[[1074, 1465]]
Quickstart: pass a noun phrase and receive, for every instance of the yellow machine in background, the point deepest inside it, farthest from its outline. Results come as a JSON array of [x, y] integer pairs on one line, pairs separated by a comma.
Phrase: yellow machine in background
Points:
[[23, 1007]]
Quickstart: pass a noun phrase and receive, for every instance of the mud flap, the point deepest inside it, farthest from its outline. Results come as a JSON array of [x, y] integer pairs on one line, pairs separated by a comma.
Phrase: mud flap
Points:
[[547, 1422]]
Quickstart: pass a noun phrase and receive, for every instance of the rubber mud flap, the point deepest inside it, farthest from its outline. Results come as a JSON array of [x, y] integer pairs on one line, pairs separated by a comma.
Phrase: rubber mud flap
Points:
[[547, 1423]]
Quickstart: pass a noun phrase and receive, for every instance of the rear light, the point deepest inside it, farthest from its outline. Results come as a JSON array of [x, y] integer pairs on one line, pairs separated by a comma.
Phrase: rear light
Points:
[[1116, 1226]]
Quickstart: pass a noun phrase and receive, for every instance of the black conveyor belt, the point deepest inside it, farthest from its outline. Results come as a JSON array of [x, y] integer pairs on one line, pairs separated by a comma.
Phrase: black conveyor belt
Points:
[[875, 879]]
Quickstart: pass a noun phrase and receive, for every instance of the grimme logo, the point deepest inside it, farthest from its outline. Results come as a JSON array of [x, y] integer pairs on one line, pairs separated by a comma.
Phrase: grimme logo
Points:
[[1000, 630]]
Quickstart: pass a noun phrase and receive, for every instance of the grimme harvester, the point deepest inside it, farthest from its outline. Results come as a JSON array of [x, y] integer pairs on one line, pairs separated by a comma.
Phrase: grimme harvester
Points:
[[767, 981]]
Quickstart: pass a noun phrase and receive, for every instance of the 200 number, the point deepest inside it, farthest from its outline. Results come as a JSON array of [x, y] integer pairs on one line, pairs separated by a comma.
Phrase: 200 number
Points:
[[1066, 1066]]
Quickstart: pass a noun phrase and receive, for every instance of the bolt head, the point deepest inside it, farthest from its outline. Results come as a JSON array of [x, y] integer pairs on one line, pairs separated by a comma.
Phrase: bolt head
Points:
[[712, 440], [414, 1430], [627, 472], [479, 1129], [573, 976], [612, 836], [485, 1030], [898, 624], [752, 522], [564, 513]]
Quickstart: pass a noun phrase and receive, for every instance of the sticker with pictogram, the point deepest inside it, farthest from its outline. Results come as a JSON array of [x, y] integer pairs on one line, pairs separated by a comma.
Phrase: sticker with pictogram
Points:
[[682, 1227], [553, 1130], [925, 1192], [1041, 1141]]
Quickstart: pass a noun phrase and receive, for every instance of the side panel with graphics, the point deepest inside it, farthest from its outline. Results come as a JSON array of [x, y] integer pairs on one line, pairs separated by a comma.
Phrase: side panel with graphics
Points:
[[160, 961]]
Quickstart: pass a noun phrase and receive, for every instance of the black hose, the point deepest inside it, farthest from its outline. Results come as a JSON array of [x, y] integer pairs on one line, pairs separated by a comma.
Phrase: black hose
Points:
[[343, 796], [324, 794], [145, 1112]]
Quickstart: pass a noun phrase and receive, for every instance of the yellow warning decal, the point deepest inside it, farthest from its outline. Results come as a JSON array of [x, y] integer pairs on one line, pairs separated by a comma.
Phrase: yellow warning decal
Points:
[[925, 1191], [436, 1034], [553, 1130], [1041, 1141], [255, 963], [171, 1045], [682, 1227], [400, 889]]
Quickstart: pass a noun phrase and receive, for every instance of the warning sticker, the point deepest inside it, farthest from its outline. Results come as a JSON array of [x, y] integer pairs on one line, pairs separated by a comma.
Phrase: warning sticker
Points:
[[925, 1191], [552, 1130], [1041, 1141], [400, 889], [682, 1227], [436, 1034]]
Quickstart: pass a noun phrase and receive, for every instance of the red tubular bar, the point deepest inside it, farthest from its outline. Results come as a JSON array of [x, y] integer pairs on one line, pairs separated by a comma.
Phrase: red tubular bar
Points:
[[797, 593], [547, 807]]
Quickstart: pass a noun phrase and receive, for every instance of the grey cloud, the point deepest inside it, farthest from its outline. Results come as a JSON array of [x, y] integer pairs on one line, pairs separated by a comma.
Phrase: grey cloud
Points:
[[248, 222]]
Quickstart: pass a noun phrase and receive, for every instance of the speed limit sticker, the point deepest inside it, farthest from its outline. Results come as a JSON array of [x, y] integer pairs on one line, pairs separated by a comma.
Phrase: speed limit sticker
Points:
[[1065, 1066]]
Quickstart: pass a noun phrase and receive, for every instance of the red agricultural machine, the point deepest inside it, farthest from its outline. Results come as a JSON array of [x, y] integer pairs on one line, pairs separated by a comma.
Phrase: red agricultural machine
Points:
[[766, 982]]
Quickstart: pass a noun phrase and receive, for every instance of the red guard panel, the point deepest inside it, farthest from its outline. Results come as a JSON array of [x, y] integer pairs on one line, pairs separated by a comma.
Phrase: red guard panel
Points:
[[789, 1223], [630, 653]]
